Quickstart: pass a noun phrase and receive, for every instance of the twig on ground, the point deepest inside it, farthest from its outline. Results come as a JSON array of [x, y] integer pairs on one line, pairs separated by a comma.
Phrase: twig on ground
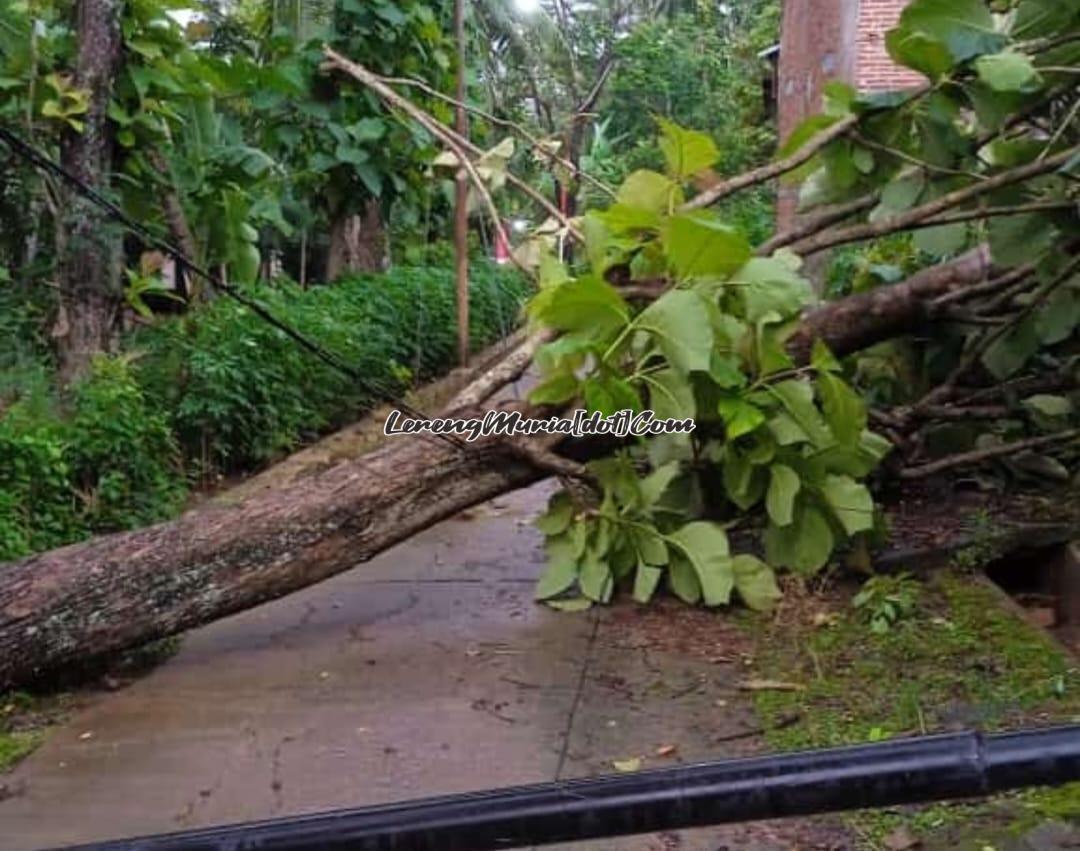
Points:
[[977, 456]]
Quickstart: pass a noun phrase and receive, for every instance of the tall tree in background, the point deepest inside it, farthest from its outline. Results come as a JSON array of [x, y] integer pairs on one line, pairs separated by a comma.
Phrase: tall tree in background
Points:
[[88, 249]]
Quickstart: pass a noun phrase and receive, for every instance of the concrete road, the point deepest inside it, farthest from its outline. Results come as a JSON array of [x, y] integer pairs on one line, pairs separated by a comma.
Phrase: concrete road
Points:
[[426, 671]]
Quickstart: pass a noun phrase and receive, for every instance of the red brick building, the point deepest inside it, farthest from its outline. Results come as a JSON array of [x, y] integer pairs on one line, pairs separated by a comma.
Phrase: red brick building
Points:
[[823, 40]]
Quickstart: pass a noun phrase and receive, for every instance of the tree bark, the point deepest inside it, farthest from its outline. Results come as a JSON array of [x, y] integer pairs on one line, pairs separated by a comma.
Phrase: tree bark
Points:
[[89, 249], [358, 243], [70, 605], [63, 607]]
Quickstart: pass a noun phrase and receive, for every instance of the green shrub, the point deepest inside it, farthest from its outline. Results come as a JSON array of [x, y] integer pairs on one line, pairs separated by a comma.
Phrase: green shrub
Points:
[[220, 389], [240, 392], [124, 459], [111, 464], [38, 505]]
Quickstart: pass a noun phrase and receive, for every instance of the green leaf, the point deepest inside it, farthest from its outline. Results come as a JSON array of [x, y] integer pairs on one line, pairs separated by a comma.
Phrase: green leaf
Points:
[[370, 177], [390, 12], [726, 371], [680, 322], [845, 411], [684, 580], [698, 245], [586, 304], [768, 285], [571, 604], [898, 196], [797, 398], [743, 485], [1008, 354], [822, 359], [965, 27], [686, 151], [920, 52], [804, 546], [670, 395], [595, 576], [784, 486], [740, 417], [651, 547], [653, 485], [649, 192], [554, 390], [1058, 317], [786, 431], [568, 546], [608, 395], [1036, 18], [557, 578], [851, 502], [1015, 240], [942, 240], [368, 129], [1008, 72], [804, 132], [1049, 406], [706, 547], [645, 581], [755, 582], [559, 513]]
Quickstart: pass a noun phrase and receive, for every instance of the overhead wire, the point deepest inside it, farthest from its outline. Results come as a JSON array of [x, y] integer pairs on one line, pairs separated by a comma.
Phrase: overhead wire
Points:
[[42, 161]]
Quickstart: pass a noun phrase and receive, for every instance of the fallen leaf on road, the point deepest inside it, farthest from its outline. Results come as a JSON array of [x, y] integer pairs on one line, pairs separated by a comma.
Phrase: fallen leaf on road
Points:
[[627, 765], [666, 750], [769, 685]]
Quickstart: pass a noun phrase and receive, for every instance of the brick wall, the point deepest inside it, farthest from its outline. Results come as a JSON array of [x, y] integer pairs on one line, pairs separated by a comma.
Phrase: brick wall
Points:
[[875, 71]]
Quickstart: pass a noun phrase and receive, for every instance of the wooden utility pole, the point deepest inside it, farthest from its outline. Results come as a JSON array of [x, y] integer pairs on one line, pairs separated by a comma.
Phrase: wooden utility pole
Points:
[[461, 194]]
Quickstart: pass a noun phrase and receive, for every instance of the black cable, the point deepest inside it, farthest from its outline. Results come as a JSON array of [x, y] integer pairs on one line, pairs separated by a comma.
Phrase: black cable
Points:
[[884, 774], [41, 160]]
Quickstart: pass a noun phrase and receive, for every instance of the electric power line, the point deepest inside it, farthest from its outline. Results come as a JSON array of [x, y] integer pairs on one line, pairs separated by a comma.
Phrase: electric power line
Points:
[[43, 161]]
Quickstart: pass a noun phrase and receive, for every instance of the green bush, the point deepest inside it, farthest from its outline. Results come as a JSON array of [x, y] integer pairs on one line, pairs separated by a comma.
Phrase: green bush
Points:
[[220, 389], [238, 391], [111, 463]]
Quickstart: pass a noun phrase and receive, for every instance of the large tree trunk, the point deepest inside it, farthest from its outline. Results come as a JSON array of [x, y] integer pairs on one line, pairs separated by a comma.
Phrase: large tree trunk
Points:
[[115, 592], [358, 243], [88, 247]]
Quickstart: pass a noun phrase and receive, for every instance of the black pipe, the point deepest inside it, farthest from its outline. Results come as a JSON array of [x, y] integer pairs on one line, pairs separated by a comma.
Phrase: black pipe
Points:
[[902, 771]]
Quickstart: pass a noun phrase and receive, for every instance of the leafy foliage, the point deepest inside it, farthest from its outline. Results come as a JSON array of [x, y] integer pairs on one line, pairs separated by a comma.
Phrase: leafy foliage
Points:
[[886, 600], [220, 390], [111, 464], [239, 392], [789, 444], [782, 447]]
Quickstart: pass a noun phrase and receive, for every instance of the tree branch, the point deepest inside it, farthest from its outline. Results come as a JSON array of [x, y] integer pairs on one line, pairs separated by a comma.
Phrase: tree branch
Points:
[[773, 169], [440, 131], [976, 456], [915, 216]]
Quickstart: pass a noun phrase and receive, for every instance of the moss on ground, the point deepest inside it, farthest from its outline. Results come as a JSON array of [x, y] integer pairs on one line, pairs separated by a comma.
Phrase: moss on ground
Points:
[[960, 659], [14, 746], [21, 725]]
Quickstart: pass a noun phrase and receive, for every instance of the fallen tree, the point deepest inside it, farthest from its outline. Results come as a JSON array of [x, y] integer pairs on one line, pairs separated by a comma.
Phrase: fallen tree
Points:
[[727, 333], [118, 591]]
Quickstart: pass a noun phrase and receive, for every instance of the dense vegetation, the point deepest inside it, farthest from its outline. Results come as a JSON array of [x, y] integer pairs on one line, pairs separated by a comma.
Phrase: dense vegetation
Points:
[[219, 391], [983, 159], [225, 137]]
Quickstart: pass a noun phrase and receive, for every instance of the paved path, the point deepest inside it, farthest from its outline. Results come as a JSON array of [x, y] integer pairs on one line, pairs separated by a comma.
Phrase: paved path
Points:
[[426, 671]]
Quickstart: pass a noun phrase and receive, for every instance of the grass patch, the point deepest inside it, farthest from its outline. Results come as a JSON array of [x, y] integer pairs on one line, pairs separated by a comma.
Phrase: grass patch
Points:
[[14, 746], [958, 659]]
